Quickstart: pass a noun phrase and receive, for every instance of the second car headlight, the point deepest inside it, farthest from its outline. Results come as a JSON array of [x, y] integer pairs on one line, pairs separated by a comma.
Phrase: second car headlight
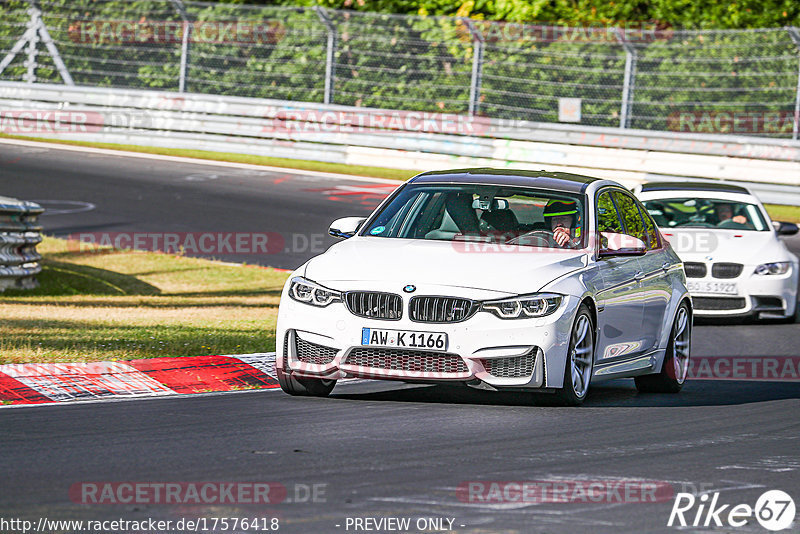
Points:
[[309, 292], [524, 306], [781, 267]]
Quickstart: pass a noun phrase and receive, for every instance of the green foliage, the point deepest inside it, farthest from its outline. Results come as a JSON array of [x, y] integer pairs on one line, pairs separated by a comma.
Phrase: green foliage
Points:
[[425, 63]]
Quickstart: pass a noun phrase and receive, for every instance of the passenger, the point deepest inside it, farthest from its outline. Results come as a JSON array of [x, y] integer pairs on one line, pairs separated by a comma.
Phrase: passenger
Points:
[[724, 212]]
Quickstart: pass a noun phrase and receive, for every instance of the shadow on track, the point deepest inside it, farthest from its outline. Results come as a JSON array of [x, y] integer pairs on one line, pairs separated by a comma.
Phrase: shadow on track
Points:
[[612, 394]]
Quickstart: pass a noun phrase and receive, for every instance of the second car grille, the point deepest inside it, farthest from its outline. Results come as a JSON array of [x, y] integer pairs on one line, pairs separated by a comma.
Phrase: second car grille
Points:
[[516, 367], [374, 305], [308, 352], [718, 303], [726, 270], [441, 309], [694, 269], [406, 360]]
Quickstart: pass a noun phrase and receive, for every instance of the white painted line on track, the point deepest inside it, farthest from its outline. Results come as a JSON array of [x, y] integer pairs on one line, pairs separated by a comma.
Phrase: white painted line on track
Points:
[[197, 161]]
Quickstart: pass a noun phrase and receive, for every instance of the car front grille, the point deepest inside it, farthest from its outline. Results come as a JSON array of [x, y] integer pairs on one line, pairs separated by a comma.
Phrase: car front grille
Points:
[[308, 352], [694, 269], [726, 270], [516, 367], [441, 309], [374, 305], [718, 303], [406, 360]]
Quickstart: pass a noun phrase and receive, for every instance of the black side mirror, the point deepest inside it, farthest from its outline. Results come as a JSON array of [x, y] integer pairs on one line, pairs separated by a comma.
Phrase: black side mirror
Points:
[[785, 228]]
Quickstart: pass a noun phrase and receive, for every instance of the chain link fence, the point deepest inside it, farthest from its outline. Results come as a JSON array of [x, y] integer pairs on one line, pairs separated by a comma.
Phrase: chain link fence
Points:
[[632, 76]]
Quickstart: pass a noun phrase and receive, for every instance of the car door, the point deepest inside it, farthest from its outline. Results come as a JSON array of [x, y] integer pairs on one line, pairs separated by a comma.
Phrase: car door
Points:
[[655, 288], [619, 301]]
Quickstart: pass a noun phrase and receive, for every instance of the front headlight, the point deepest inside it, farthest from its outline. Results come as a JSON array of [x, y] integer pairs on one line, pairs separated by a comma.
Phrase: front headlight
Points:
[[781, 267], [524, 307], [309, 292]]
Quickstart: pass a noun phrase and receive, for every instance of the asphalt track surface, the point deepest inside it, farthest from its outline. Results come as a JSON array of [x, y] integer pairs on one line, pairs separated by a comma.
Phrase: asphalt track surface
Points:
[[380, 449]]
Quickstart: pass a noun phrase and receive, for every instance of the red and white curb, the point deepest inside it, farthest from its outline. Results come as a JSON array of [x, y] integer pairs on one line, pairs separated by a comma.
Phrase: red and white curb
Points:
[[30, 383]]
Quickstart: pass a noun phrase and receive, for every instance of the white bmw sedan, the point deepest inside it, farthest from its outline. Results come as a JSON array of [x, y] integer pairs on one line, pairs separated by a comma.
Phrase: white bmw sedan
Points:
[[735, 261], [503, 280]]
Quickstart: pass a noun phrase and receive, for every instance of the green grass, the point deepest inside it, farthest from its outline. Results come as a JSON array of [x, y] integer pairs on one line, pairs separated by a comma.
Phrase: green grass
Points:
[[121, 305], [778, 212], [306, 165]]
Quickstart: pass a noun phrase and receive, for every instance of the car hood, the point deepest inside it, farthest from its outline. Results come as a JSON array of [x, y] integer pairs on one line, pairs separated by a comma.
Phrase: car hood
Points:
[[509, 270], [723, 245]]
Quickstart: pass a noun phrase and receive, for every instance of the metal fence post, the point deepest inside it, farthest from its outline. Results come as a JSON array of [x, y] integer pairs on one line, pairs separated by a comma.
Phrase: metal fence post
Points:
[[477, 67], [628, 81], [795, 35], [33, 40], [185, 35], [330, 57]]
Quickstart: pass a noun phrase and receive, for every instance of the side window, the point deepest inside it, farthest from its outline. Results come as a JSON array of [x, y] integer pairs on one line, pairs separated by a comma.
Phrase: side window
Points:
[[652, 233], [607, 216], [631, 218]]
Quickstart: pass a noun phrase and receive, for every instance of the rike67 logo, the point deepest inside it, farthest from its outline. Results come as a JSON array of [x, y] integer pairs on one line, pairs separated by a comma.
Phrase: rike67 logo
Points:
[[774, 510]]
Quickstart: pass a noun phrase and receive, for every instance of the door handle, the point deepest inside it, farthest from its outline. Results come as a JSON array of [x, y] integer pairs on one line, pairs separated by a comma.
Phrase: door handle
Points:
[[639, 275], [666, 266]]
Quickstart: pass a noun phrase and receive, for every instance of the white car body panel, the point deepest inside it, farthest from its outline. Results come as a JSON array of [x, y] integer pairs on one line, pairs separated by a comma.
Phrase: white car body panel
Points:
[[633, 314], [750, 248]]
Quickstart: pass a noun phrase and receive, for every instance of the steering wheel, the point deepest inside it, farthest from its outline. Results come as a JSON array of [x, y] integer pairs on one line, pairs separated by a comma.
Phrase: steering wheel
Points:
[[544, 238]]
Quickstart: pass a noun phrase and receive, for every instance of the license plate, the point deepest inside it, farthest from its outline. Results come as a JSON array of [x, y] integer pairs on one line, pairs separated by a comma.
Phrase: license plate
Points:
[[716, 288], [404, 339]]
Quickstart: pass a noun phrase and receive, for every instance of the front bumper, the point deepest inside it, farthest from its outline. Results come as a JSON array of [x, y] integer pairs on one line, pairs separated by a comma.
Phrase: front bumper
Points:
[[765, 296], [521, 353]]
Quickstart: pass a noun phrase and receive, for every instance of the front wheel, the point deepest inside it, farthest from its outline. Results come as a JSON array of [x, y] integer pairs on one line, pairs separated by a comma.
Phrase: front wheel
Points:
[[580, 360], [676, 361], [304, 387]]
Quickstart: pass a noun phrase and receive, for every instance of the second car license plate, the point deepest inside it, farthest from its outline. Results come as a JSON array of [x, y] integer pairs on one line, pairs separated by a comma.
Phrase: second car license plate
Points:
[[716, 288], [404, 339]]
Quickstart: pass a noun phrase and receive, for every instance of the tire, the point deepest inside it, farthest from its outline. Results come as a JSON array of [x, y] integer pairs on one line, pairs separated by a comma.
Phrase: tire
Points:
[[676, 361], [580, 361], [304, 387]]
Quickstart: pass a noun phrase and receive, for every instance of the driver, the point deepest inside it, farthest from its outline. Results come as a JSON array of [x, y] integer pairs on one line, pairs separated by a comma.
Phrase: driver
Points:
[[724, 213], [562, 216]]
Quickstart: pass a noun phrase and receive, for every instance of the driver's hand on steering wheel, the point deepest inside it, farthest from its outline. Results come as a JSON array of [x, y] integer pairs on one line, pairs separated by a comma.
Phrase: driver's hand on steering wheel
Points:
[[741, 219], [561, 236]]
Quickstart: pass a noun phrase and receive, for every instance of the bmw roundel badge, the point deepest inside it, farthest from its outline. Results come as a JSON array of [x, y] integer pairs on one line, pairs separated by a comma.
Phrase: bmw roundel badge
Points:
[[410, 288]]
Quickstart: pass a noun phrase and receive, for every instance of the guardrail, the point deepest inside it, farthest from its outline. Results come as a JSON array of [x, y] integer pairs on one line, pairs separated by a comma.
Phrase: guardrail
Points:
[[19, 235], [386, 138]]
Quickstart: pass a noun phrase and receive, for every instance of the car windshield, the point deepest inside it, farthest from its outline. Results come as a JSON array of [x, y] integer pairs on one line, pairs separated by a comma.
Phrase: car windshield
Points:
[[486, 213], [706, 213]]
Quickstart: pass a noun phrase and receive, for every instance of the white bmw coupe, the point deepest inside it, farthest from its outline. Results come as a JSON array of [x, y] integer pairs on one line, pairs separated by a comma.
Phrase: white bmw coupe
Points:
[[503, 280], [735, 261]]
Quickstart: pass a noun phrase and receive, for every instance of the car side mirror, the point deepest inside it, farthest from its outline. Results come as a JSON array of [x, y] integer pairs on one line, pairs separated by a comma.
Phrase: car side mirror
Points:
[[612, 244], [346, 227], [785, 228]]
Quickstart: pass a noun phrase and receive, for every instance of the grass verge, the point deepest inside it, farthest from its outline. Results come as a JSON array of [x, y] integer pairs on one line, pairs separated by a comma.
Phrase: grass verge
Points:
[[122, 305], [779, 212]]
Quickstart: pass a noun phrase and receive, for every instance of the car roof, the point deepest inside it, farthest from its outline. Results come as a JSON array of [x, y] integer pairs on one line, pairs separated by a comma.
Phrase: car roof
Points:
[[561, 181], [693, 186]]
